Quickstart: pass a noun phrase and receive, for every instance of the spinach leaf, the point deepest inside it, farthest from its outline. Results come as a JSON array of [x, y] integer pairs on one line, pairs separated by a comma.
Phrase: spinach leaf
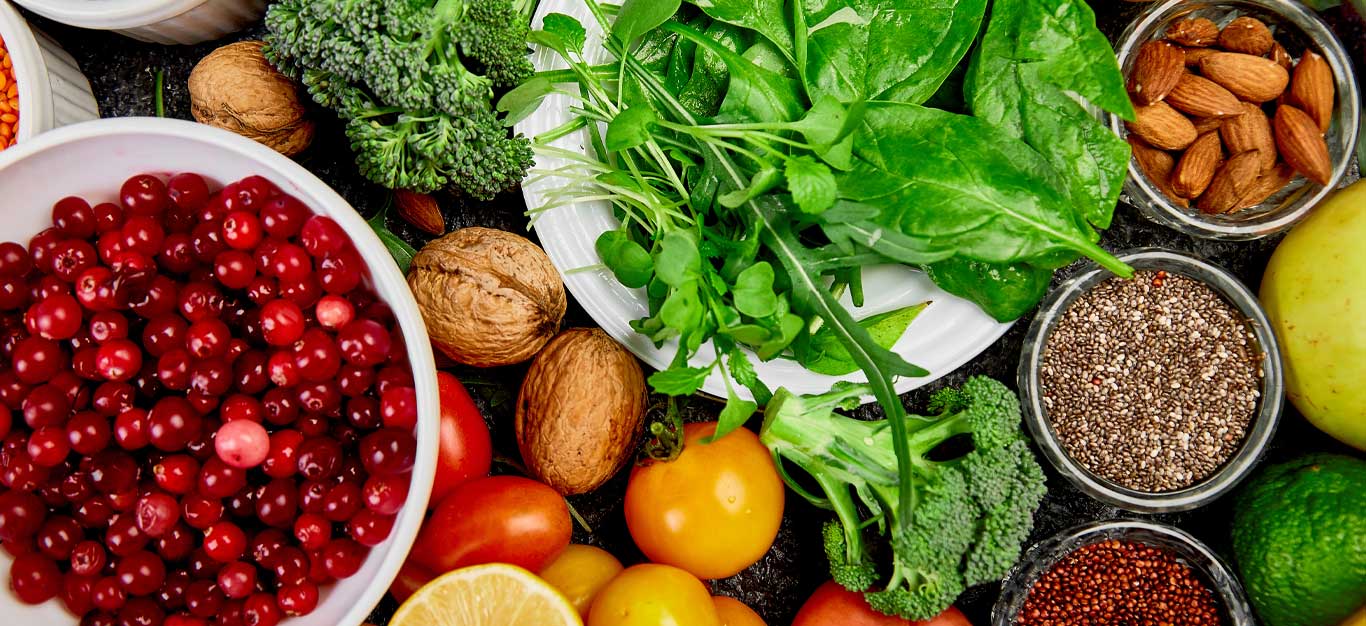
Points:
[[761, 16], [707, 84], [399, 249], [823, 353], [1035, 53], [637, 17], [898, 50], [961, 182], [1005, 291], [754, 94]]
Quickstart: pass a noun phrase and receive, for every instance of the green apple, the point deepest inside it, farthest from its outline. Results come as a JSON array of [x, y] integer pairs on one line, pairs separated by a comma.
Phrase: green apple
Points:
[[1314, 291]]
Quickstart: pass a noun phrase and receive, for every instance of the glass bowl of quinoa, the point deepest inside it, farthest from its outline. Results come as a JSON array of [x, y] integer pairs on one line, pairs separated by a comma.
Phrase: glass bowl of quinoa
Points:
[[1121, 572], [1157, 393]]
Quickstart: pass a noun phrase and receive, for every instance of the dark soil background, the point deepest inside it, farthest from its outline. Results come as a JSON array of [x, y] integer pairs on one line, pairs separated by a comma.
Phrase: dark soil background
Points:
[[122, 73]]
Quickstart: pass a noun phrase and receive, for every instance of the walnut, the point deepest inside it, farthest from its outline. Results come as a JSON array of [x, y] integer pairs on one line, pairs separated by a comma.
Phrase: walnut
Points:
[[489, 297], [580, 411], [236, 89]]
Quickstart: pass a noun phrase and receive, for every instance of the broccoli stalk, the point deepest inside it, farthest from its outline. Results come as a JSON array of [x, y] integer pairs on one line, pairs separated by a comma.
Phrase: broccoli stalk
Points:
[[969, 512], [414, 81]]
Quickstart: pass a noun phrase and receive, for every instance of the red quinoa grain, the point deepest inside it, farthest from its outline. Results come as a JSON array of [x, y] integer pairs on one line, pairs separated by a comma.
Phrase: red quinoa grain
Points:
[[1119, 583]]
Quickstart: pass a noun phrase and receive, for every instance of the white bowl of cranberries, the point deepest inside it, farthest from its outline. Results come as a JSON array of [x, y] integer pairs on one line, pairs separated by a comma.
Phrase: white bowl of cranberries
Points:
[[216, 383]]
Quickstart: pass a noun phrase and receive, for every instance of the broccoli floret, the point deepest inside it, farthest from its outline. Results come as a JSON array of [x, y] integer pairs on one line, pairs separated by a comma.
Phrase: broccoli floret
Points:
[[414, 81], [970, 512]]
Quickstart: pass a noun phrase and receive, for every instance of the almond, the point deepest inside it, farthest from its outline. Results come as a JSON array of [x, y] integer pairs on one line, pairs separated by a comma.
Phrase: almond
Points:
[[1207, 124], [1160, 125], [1250, 131], [1301, 144], [1247, 35], [1202, 97], [1159, 66], [1249, 77], [1271, 181], [1281, 56], [1195, 32], [1196, 167], [1231, 183], [421, 211], [1156, 166], [1312, 89], [1195, 55]]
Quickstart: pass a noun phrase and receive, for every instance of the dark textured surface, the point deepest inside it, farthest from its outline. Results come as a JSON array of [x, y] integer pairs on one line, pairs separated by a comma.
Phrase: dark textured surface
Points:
[[121, 72]]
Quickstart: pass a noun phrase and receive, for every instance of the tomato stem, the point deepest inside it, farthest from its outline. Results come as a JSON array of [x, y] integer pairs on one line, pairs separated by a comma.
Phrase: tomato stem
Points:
[[666, 433]]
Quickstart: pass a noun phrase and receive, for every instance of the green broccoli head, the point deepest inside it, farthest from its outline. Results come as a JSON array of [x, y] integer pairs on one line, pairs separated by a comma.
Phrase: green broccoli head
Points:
[[969, 514]]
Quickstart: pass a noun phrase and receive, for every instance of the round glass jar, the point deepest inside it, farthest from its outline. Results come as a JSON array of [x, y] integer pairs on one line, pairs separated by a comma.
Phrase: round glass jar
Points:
[[1233, 604], [1261, 427], [1299, 29]]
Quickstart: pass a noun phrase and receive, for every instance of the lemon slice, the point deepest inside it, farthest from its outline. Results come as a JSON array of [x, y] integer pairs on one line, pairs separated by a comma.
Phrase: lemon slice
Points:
[[487, 595]]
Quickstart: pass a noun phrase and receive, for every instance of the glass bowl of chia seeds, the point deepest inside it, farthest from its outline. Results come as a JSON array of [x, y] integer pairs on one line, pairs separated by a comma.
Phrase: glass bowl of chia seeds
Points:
[[1121, 572], [1155, 394]]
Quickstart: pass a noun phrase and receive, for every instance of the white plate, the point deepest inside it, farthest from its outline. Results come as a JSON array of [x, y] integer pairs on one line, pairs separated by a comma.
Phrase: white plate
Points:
[[949, 333]]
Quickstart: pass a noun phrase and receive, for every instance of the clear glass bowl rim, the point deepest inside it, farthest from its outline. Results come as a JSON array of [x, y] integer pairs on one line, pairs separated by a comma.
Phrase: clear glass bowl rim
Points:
[[1262, 426], [1194, 553], [1155, 205]]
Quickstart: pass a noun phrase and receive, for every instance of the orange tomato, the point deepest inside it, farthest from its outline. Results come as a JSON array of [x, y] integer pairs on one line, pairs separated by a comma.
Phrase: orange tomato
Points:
[[714, 510], [580, 572], [653, 595], [734, 612], [833, 605]]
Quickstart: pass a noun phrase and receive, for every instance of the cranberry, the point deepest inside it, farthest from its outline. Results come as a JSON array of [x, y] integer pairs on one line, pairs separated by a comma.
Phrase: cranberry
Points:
[[172, 424], [74, 217], [290, 566], [304, 293], [34, 578], [203, 598], [207, 338], [87, 433], [71, 258], [184, 620], [157, 298], [321, 235], [41, 245], [207, 241], [176, 473], [242, 230], [342, 558], [75, 593], [173, 370], [21, 515], [124, 537], [187, 191], [93, 513], [108, 217], [224, 542], [141, 612], [281, 406], [211, 377], [243, 503], [171, 596], [341, 272], [242, 443], [282, 322], [57, 536], [241, 407], [144, 194], [14, 260], [282, 460], [12, 390], [317, 356], [342, 502], [200, 300], [235, 269], [144, 236], [130, 429], [355, 381], [319, 458], [277, 503], [164, 333], [334, 312], [284, 216], [369, 528], [177, 543], [289, 263], [119, 360], [249, 372], [55, 317], [48, 446], [202, 566], [265, 545], [297, 600], [388, 452], [385, 494], [112, 398], [398, 408], [20, 472], [392, 376], [123, 501], [217, 479], [141, 573], [260, 610], [157, 513], [46, 405], [254, 191], [107, 594], [37, 360], [263, 289], [200, 511], [320, 398], [237, 580], [88, 558], [13, 293]]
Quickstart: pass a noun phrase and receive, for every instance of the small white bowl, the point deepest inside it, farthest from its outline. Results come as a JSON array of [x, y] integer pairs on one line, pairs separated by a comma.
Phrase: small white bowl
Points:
[[52, 90], [157, 21], [92, 160]]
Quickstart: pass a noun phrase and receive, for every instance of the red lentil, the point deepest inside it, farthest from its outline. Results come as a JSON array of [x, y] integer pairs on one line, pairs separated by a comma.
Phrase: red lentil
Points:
[[1119, 583], [9, 102]]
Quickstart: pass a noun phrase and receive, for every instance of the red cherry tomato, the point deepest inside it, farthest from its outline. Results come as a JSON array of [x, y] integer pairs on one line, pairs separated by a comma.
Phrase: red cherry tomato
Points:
[[466, 449], [500, 519], [833, 605]]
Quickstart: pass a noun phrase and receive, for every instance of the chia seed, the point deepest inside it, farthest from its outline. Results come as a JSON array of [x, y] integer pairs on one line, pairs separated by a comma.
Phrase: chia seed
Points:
[[1114, 583], [1151, 383]]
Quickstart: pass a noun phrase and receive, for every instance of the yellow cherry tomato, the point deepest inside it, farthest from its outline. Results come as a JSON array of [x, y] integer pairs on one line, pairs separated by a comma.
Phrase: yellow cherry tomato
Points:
[[580, 572], [653, 595], [714, 510], [734, 612]]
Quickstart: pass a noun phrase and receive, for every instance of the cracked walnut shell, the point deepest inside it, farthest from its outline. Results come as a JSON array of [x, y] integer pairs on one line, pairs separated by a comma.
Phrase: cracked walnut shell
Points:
[[488, 297]]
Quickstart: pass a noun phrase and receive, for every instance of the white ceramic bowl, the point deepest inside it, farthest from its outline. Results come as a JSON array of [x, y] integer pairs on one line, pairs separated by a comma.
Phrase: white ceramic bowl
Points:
[[947, 334], [92, 160], [157, 21], [52, 90]]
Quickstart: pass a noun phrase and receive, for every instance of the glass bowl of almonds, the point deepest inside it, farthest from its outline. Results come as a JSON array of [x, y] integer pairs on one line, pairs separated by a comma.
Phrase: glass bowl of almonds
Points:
[[1122, 571], [1247, 113]]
